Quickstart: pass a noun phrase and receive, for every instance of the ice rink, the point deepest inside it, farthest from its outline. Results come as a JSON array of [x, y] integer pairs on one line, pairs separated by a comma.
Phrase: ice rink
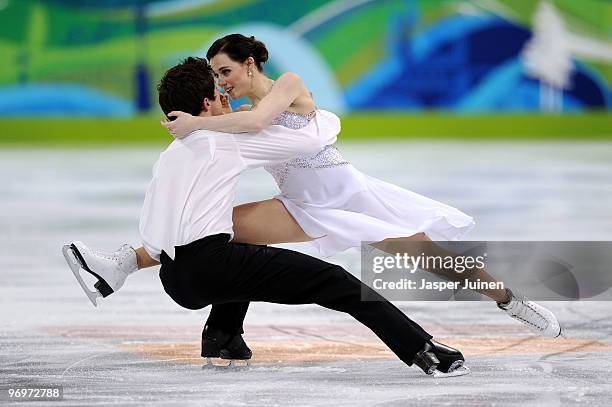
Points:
[[140, 348]]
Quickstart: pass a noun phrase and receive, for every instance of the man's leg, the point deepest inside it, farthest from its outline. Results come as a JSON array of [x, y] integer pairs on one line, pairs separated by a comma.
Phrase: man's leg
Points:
[[212, 271], [222, 333], [228, 317], [290, 277]]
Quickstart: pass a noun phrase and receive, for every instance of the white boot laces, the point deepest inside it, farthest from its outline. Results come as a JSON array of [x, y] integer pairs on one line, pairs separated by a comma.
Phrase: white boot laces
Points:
[[123, 253], [527, 313], [119, 255]]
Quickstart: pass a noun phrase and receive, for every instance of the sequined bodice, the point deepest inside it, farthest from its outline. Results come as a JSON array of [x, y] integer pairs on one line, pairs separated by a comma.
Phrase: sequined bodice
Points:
[[293, 120], [326, 158]]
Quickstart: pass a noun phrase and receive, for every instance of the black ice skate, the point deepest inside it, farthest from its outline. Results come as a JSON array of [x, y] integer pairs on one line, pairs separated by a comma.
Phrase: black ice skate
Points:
[[440, 360], [217, 344]]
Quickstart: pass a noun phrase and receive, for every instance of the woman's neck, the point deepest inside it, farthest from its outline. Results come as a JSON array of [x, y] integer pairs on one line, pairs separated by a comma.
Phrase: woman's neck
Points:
[[260, 87]]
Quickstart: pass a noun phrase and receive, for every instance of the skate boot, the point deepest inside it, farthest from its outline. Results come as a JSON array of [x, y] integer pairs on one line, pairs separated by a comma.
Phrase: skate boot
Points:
[[539, 319], [440, 360], [111, 269], [218, 344]]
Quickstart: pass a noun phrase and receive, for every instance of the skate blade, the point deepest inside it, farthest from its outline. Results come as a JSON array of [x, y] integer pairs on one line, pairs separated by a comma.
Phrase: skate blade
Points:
[[76, 266], [224, 364], [459, 371]]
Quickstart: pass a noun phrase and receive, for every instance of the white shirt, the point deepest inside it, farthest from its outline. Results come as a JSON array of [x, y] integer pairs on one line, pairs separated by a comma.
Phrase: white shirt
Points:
[[194, 180]]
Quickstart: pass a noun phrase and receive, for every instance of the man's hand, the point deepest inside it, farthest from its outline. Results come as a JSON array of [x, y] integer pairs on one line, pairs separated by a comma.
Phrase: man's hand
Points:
[[183, 125]]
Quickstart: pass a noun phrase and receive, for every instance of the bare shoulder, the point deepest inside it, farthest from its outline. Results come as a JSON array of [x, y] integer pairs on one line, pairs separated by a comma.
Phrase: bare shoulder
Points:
[[290, 77], [303, 102]]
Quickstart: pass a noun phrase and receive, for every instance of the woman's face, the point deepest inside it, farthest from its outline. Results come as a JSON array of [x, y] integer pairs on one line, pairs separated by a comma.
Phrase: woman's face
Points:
[[231, 75]]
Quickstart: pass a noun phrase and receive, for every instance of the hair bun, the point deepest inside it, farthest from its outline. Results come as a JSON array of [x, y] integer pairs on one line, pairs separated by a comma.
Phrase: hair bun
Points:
[[259, 50], [239, 47]]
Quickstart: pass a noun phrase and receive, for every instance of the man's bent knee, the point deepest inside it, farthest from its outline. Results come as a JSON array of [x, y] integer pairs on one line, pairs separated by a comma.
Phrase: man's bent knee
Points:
[[182, 292]]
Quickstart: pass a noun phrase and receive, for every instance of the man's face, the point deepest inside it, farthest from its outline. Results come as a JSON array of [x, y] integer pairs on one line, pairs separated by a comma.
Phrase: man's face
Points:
[[216, 108]]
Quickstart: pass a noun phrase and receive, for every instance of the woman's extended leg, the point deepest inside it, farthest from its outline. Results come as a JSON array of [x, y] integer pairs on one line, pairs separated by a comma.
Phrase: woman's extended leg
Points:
[[536, 317], [269, 222], [398, 245]]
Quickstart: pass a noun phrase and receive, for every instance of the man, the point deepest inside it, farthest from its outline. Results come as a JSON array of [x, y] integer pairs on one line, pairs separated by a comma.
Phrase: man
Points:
[[186, 224]]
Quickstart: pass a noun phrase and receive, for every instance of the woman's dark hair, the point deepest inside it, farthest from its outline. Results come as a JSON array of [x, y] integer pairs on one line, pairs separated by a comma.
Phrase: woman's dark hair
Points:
[[239, 48], [184, 86]]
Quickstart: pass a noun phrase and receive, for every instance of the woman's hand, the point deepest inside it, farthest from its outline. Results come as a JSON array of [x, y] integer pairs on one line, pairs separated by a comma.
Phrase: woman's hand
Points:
[[182, 126], [244, 108], [225, 104]]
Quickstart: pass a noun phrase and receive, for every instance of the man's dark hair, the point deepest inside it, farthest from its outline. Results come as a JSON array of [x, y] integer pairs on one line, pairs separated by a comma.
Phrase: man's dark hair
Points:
[[184, 86]]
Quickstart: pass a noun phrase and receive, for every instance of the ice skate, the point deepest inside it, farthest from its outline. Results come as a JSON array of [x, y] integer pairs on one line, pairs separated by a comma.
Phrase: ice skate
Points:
[[439, 360], [111, 269], [451, 361], [218, 345], [539, 319]]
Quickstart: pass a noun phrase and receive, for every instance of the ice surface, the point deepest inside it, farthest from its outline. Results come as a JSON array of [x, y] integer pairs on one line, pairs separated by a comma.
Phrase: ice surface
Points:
[[140, 348]]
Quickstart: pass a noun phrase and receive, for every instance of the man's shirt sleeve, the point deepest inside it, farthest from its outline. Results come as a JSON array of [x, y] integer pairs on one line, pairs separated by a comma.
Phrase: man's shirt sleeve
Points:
[[278, 143], [151, 209]]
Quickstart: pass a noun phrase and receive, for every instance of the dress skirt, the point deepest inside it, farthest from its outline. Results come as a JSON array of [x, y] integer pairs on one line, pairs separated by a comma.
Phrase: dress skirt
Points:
[[339, 207]]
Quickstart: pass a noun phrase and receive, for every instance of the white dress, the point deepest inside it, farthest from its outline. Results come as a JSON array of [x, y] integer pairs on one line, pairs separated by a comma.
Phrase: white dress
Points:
[[340, 207]]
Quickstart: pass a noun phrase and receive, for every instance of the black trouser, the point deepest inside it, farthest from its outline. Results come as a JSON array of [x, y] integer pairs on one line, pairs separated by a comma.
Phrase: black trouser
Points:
[[214, 271]]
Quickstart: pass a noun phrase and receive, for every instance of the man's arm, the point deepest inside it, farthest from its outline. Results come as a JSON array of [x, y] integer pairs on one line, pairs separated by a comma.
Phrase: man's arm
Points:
[[277, 143], [285, 90], [154, 211], [148, 227]]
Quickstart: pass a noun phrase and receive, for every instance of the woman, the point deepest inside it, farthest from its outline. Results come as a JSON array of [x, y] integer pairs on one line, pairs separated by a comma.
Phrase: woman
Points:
[[324, 200]]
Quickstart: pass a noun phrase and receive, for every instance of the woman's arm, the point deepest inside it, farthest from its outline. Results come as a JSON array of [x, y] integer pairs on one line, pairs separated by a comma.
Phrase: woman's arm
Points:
[[285, 90], [144, 260]]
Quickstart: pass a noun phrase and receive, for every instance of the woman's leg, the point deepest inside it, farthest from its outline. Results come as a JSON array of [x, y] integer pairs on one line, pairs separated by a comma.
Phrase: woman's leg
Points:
[[269, 222], [144, 260], [266, 222], [398, 245], [253, 224]]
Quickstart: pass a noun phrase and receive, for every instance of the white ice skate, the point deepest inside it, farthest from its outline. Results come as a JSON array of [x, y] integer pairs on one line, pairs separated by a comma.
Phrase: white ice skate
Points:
[[539, 319], [111, 269]]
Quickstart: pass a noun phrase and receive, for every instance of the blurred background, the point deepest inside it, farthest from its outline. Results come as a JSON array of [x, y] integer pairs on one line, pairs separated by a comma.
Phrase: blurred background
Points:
[[397, 68]]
